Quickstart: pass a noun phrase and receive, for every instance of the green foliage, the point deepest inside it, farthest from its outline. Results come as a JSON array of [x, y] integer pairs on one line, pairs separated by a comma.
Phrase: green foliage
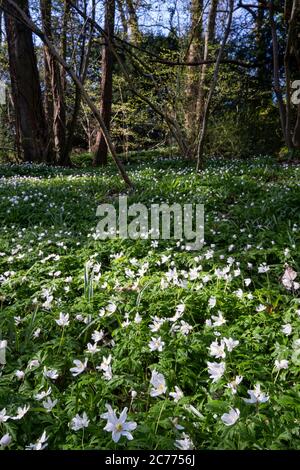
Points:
[[51, 263]]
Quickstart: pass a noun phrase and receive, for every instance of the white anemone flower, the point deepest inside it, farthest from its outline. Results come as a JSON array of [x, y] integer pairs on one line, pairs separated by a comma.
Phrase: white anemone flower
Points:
[[21, 412], [159, 384], [256, 396], [217, 350], [3, 416], [63, 320], [234, 384], [79, 422], [216, 370], [79, 367], [118, 426], [49, 404], [283, 364], [184, 444], [287, 329], [177, 395], [40, 444], [5, 440], [51, 373], [231, 418], [231, 344], [156, 344]]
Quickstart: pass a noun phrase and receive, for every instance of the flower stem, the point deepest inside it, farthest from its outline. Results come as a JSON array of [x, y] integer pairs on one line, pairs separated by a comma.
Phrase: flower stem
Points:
[[160, 413]]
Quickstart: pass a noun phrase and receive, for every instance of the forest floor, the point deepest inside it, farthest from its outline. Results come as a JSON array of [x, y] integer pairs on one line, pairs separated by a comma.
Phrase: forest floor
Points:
[[181, 338]]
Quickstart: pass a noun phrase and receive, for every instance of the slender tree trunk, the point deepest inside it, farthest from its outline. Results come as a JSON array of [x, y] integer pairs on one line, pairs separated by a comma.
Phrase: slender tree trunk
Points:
[[60, 82], [208, 40], [26, 90], [134, 32], [83, 68], [276, 76], [292, 54], [1, 29], [49, 65], [200, 150], [287, 63], [55, 103], [124, 22], [193, 73], [262, 29], [106, 84]]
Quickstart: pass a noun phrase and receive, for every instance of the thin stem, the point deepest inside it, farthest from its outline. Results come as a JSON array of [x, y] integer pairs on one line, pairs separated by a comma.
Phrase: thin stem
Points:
[[160, 413]]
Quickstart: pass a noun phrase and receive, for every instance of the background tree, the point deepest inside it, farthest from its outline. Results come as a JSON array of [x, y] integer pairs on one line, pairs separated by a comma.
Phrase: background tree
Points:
[[156, 62], [106, 83], [31, 128], [194, 54]]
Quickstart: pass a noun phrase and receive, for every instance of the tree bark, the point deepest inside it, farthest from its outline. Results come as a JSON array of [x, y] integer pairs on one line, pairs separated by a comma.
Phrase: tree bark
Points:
[[48, 65], [202, 135], [106, 84], [134, 32], [60, 115], [192, 77], [262, 32], [124, 22], [208, 40], [276, 76], [54, 99], [292, 57], [26, 90]]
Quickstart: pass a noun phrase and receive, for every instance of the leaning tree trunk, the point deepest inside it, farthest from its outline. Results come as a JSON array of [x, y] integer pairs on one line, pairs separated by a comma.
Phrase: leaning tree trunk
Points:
[[106, 84], [26, 90]]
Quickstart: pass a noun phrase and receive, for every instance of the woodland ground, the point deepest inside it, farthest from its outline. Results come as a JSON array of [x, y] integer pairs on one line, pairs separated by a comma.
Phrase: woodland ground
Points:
[[225, 305]]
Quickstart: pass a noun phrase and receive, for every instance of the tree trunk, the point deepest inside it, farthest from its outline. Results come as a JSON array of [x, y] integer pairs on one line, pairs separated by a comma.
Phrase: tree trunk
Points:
[[83, 68], [262, 32], [276, 76], [49, 65], [55, 102], [192, 78], [106, 84], [292, 62], [1, 30], [60, 123], [202, 135], [124, 22], [209, 39], [134, 32], [26, 90]]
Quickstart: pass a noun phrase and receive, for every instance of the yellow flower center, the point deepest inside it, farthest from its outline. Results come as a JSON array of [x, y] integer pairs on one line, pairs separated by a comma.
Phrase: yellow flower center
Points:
[[119, 427]]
